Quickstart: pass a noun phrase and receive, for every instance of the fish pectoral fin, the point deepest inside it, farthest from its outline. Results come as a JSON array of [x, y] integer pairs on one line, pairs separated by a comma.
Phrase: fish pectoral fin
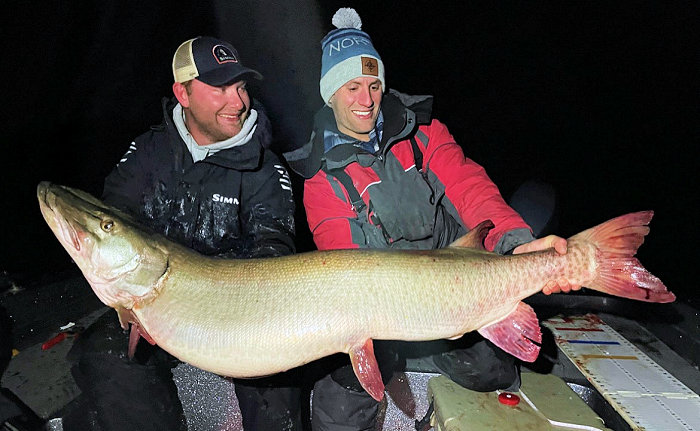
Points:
[[366, 369], [517, 333], [137, 331], [475, 237], [124, 317]]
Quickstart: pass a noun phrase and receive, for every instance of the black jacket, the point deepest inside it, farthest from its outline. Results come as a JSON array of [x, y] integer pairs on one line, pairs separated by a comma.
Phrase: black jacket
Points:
[[235, 203]]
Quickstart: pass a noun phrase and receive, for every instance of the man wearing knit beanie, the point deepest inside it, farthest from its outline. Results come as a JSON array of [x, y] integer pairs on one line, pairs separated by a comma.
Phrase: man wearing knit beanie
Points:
[[381, 172], [347, 53]]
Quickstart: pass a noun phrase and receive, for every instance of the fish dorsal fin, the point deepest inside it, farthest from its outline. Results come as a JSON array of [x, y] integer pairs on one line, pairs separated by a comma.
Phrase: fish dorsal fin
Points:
[[366, 369], [475, 237], [516, 332], [127, 317]]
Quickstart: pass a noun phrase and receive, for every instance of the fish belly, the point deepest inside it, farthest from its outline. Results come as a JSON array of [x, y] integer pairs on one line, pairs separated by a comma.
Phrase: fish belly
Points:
[[240, 324]]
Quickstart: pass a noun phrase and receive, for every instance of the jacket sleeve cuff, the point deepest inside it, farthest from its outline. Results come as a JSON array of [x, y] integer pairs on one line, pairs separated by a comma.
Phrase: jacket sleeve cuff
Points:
[[513, 239]]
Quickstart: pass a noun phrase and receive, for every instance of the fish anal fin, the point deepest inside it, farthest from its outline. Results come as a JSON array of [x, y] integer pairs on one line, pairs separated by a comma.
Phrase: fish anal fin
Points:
[[137, 331], [475, 237], [366, 369], [517, 333]]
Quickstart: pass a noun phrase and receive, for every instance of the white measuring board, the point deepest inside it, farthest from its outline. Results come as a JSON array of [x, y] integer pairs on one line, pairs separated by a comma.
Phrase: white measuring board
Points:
[[640, 390]]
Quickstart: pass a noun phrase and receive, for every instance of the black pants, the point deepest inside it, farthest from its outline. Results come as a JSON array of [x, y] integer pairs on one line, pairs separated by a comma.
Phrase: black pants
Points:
[[272, 403], [122, 394], [337, 408], [340, 403]]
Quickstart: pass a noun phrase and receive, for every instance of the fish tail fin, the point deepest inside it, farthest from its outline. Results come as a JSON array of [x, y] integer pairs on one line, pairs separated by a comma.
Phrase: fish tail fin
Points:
[[619, 272]]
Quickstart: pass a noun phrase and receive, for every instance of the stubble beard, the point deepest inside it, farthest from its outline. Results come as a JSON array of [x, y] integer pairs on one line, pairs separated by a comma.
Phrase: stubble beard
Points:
[[212, 129]]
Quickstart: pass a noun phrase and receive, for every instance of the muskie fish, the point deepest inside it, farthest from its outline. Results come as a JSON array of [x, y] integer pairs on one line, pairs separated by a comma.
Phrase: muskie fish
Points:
[[256, 317]]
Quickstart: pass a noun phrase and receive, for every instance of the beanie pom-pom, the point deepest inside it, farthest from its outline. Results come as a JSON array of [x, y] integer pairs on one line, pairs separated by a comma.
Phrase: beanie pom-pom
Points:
[[347, 17]]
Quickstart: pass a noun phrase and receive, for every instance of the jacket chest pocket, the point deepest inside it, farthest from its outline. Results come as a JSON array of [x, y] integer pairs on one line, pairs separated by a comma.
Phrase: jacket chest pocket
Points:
[[210, 207], [403, 202]]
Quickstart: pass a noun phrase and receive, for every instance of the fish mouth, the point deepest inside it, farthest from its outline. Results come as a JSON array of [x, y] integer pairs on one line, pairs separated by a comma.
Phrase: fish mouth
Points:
[[70, 232], [62, 228]]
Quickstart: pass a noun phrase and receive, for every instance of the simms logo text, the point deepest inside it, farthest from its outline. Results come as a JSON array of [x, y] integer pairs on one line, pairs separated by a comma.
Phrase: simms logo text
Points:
[[218, 198]]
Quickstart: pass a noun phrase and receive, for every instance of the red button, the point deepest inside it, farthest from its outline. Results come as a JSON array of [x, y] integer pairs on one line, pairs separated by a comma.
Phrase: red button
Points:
[[508, 399]]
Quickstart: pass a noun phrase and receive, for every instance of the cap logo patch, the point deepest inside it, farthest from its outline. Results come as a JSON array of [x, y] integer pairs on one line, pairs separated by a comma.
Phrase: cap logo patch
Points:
[[370, 66], [223, 55]]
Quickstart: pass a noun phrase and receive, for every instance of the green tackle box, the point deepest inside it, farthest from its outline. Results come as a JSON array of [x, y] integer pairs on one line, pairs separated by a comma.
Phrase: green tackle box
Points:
[[544, 402]]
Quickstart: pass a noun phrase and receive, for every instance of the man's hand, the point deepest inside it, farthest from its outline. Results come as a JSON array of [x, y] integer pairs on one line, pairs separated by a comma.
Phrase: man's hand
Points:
[[557, 243]]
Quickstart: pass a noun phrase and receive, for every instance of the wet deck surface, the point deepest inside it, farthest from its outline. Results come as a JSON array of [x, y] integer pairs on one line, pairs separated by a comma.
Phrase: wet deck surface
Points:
[[41, 378]]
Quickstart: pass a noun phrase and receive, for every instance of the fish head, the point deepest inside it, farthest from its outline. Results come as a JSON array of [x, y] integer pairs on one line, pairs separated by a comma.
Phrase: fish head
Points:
[[123, 262]]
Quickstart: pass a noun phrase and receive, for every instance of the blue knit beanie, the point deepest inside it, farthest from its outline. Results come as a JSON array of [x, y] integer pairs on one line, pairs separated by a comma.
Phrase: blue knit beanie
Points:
[[347, 54]]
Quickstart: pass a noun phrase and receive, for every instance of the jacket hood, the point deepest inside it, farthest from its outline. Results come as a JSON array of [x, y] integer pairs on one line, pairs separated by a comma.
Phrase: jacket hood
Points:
[[244, 157], [398, 109]]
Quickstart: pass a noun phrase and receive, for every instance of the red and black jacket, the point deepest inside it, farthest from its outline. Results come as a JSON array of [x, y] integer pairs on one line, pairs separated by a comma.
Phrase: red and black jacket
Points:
[[418, 191]]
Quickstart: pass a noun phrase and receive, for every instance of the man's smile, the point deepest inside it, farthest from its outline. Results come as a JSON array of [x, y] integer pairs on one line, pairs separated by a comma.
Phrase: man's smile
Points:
[[363, 114]]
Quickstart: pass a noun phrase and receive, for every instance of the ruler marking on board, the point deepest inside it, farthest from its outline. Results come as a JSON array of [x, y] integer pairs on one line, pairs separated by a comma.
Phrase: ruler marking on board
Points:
[[612, 343], [645, 394]]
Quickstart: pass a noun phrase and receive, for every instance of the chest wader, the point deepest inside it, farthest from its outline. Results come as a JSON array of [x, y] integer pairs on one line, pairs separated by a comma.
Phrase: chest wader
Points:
[[418, 222]]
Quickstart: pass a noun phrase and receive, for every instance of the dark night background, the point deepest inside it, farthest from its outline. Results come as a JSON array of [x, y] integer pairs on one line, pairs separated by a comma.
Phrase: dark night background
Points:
[[598, 98]]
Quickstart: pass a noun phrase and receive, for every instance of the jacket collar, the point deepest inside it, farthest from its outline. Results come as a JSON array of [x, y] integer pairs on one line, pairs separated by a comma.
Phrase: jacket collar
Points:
[[402, 115]]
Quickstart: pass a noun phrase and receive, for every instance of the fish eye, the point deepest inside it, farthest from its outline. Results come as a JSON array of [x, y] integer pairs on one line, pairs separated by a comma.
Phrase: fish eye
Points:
[[107, 225]]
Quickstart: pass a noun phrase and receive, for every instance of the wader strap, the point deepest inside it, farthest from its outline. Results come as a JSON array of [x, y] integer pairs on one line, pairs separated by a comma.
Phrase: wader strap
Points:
[[418, 158], [356, 200], [417, 155]]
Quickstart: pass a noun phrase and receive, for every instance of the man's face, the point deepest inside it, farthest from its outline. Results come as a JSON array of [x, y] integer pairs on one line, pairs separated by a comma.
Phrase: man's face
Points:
[[356, 106], [213, 114]]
